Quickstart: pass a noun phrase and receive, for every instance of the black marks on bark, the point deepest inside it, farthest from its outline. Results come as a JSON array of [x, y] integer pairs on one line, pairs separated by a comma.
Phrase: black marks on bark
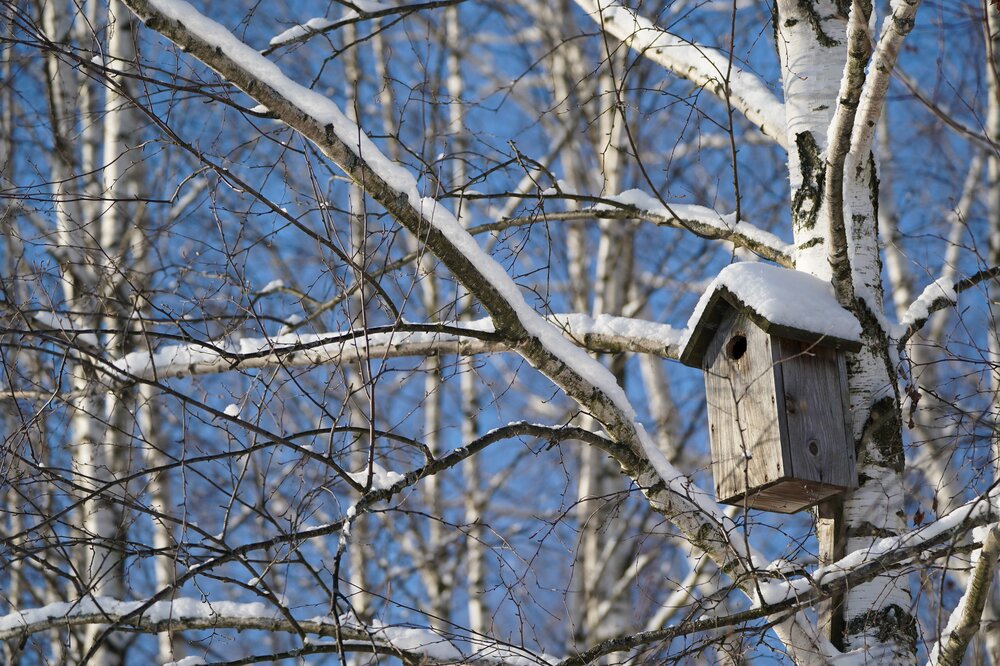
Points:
[[883, 433], [774, 24], [858, 221], [891, 624], [808, 7], [873, 183], [903, 26], [870, 530], [809, 196], [875, 337]]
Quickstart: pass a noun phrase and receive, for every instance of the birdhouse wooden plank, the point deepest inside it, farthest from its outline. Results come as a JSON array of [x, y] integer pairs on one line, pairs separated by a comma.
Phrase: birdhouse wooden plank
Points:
[[772, 344]]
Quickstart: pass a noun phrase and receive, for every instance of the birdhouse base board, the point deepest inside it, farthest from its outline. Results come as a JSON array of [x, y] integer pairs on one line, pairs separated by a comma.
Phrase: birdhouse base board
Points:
[[785, 495]]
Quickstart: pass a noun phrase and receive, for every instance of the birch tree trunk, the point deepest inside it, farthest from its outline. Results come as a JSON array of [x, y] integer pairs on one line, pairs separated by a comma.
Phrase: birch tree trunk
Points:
[[991, 637], [119, 221], [97, 558], [813, 40], [361, 389], [603, 560], [474, 502]]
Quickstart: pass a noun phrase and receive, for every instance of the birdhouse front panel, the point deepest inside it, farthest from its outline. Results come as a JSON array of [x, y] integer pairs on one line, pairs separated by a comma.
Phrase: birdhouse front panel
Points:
[[744, 428]]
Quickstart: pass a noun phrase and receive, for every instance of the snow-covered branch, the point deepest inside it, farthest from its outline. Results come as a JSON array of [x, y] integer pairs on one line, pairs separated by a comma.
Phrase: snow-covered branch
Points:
[[964, 620], [933, 540], [311, 349], [414, 645], [940, 294], [362, 10], [702, 65], [889, 552], [700, 220], [603, 334]]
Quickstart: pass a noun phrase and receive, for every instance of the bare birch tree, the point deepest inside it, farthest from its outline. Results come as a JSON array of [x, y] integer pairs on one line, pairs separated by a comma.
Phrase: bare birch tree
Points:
[[349, 332]]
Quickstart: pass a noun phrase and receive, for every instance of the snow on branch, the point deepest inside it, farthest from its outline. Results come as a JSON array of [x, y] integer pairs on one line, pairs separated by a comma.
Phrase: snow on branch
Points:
[[934, 540], [699, 64], [890, 552], [311, 349], [940, 294], [414, 645], [358, 10], [636, 204], [702, 221], [603, 334], [964, 621]]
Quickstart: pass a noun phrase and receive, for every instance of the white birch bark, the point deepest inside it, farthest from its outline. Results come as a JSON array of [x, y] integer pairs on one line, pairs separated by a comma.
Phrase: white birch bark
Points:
[[811, 40], [162, 499], [832, 180], [110, 456], [474, 502], [77, 282], [359, 549], [991, 637]]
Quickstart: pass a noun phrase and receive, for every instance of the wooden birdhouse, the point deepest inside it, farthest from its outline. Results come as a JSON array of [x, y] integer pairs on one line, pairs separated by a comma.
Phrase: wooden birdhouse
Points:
[[771, 342]]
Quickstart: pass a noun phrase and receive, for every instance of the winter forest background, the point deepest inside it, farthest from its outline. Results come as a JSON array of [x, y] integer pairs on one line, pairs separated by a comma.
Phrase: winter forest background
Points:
[[332, 376]]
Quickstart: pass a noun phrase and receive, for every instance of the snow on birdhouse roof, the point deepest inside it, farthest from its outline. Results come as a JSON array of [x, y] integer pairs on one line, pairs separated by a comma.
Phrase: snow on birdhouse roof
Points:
[[782, 301]]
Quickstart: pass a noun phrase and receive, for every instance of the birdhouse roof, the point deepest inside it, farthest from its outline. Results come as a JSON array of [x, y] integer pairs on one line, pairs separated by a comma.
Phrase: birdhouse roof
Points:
[[782, 301]]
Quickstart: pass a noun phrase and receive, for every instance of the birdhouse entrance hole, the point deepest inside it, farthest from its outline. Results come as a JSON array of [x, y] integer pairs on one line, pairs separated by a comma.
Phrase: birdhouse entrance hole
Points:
[[737, 346]]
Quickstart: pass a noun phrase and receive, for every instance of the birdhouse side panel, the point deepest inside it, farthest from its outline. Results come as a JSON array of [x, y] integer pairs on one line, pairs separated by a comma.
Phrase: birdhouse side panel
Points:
[[819, 442], [744, 425]]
